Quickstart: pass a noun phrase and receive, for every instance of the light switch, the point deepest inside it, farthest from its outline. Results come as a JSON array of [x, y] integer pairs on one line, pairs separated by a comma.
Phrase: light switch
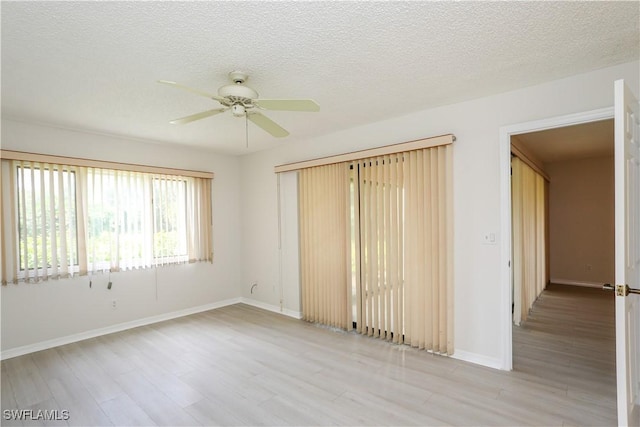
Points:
[[489, 238]]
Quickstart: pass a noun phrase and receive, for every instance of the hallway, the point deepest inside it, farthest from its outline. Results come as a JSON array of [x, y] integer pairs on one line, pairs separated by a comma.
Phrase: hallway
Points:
[[568, 341]]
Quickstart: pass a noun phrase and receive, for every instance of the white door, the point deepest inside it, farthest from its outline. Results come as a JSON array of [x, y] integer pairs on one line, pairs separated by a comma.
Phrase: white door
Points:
[[627, 248]]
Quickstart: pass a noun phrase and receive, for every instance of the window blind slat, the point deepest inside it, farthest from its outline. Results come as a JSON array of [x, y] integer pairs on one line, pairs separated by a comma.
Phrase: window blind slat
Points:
[[43, 221], [23, 217], [53, 217], [34, 222]]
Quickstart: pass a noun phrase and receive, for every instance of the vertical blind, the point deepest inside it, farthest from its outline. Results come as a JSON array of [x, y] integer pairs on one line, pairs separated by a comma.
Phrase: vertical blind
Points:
[[406, 236], [529, 244], [379, 279], [399, 217], [324, 248], [429, 249], [44, 218], [199, 220], [66, 220]]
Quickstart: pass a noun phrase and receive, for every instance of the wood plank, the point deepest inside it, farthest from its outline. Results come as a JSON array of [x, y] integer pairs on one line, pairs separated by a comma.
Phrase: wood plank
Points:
[[99, 384], [28, 386], [75, 398], [123, 411], [160, 408], [7, 397]]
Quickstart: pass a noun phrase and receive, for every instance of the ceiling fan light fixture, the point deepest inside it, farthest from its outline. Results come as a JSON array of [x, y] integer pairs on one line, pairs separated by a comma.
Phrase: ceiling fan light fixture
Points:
[[238, 110]]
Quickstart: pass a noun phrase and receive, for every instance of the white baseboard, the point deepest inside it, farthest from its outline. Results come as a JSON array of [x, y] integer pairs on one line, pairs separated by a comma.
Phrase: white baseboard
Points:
[[576, 283], [43, 345], [271, 307], [478, 359]]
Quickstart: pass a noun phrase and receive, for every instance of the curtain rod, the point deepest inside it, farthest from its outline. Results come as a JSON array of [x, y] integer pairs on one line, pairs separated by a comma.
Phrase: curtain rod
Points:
[[78, 161], [371, 152]]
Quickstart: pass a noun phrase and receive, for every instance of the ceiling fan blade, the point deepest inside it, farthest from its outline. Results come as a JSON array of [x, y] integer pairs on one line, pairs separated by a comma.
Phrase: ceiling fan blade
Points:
[[288, 104], [192, 90], [198, 116], [267, 124]]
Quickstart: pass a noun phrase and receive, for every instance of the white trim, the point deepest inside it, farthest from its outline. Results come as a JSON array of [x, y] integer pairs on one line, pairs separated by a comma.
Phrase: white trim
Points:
[[558, 122], [271, 307], [43, 345], [576, 283], [506, 299], [478, 359], [505, 209]]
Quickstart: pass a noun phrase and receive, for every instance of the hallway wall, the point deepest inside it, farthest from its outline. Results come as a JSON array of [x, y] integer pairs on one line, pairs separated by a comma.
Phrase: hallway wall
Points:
[[581, 221]]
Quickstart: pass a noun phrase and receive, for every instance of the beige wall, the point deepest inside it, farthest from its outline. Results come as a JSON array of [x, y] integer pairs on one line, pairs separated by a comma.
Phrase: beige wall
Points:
[[581, 219]]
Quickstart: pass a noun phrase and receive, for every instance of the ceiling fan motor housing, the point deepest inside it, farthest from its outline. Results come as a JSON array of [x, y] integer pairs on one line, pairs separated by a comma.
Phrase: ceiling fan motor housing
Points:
[[237, 90]]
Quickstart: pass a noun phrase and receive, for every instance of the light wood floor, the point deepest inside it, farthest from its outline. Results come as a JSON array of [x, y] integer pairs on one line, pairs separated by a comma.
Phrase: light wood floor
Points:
[[569, 340], [243, 366]]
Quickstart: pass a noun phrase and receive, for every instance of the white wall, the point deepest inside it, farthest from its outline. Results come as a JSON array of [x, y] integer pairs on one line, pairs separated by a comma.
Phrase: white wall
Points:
[[290, 248], [33, 313], [476, 125], [581, 221]]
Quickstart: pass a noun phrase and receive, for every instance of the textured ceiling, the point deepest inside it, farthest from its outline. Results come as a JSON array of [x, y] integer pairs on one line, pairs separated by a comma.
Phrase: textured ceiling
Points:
[[583, 141], [94, 65]]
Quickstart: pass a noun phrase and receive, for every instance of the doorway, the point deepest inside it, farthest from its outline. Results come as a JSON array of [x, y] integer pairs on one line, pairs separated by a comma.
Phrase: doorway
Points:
[[563, 252], [562, 210], [506, 134]]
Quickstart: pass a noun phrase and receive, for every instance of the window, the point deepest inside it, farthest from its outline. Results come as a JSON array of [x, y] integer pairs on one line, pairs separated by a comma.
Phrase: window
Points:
[[170, 221], [46, 199], [65, 220]]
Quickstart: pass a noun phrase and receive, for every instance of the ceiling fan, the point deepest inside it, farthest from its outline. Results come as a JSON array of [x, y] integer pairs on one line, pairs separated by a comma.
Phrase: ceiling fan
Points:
[[243, 101]]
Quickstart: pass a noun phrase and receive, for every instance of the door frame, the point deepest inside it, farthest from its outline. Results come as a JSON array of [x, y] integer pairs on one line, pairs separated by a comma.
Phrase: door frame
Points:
[[505, 209]]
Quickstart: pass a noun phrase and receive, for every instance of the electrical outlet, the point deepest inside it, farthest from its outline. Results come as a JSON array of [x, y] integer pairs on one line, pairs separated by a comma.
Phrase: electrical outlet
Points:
[[114, 304]]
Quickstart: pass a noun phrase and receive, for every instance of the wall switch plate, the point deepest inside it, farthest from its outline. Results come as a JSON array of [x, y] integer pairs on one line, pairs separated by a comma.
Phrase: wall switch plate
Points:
[[489, 238]]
